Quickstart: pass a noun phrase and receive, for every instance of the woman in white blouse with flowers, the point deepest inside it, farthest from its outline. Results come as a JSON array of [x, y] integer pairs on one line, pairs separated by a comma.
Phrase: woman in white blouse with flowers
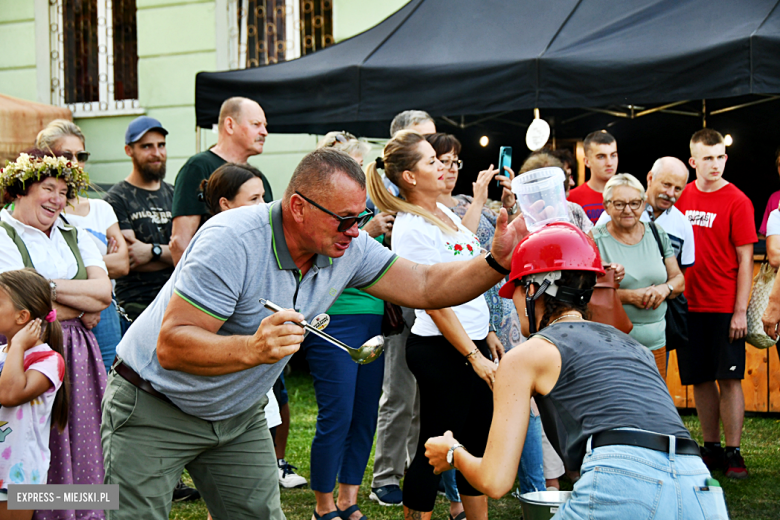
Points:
[[447, 349]]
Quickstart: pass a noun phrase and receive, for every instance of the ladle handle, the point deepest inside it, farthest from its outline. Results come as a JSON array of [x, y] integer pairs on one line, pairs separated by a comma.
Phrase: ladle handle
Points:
[[327, 337]]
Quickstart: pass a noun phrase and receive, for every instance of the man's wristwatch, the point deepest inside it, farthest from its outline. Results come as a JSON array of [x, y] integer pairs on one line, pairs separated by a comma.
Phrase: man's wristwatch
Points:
[[671, 290], [512, 210], [451, 453], [53, 287], [492, 262], [156, 251]]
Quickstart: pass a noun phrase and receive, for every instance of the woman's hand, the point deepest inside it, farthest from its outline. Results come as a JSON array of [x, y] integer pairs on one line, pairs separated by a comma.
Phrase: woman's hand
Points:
[[620, 271], [654, 296], [436, 449], [480, 187], [29, 336], [495, 346], [381, 224], [485, 369], [112, 246], [507, 196], [90, 320]]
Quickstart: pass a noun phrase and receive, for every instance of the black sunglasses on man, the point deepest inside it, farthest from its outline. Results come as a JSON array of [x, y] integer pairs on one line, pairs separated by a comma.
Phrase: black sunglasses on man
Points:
[[345, 223]]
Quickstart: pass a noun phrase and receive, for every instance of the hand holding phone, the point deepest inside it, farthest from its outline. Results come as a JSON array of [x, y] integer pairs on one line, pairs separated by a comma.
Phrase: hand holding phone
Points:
[[504, 159]]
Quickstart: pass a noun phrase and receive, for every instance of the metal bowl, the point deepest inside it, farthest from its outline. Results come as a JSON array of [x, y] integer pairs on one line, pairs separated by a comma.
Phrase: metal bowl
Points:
[[542, 505]]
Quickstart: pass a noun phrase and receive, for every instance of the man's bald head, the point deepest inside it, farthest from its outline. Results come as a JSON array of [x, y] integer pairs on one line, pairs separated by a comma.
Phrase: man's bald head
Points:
[[231, 108], [665, 182]]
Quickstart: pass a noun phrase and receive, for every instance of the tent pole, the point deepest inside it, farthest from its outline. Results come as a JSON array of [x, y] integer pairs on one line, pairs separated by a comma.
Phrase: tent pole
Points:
[[704, 113], [743, 105], [197, 139]]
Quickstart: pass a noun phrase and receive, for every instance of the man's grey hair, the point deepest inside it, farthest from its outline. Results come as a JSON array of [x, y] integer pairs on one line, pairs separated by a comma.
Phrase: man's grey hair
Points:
[[623, 179], [408, 118]]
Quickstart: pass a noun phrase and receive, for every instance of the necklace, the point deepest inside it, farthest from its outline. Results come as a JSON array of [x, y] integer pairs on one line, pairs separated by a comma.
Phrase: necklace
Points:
[[559, 318]]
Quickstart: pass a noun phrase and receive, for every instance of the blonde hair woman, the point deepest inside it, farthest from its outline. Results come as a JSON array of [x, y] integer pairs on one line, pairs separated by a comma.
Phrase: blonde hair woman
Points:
[[96, 216], [453, 395]]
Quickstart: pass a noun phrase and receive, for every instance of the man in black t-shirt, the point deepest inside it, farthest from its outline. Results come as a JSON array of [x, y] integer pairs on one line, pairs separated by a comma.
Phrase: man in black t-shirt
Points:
[[242, 133], [142, 203]]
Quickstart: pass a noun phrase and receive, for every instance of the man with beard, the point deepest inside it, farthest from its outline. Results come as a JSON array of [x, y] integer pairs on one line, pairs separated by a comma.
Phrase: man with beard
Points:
[[142, 203], [242, 130]]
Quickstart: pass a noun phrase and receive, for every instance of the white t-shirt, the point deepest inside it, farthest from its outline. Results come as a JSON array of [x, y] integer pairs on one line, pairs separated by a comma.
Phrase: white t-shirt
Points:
[[24, 429], [676, 225], [773, 223], [50, 255], [272, 415], [419, 241], [101, 216]]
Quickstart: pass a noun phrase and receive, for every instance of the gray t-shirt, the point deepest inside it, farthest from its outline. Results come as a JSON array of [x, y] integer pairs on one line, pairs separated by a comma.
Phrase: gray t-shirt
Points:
[[236, 258], [607, 381]]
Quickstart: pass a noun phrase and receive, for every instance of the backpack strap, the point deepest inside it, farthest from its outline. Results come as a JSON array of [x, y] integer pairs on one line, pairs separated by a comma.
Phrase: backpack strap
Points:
[[19, 243], [71, 236]]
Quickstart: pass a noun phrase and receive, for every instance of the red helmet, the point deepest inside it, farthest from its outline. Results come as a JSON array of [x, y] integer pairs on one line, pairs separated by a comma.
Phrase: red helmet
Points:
[[559, 246]]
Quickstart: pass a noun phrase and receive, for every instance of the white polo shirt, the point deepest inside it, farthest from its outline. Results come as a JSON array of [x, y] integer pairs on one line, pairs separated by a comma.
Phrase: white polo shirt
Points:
[[50, 255], [678, 228]]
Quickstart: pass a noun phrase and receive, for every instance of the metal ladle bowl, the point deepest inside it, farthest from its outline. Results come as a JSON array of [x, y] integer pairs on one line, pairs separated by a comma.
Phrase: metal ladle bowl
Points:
[[366, 353]]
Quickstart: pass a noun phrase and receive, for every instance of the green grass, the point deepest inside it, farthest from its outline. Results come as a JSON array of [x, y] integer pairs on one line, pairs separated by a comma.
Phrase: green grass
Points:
[[757, 498]]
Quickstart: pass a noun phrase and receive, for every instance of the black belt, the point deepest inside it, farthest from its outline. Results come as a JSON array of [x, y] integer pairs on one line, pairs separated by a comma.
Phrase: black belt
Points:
[[142, 384], [649, 440]]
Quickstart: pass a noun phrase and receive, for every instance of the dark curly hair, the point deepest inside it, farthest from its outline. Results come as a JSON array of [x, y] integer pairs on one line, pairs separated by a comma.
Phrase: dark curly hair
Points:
[[575, 280]]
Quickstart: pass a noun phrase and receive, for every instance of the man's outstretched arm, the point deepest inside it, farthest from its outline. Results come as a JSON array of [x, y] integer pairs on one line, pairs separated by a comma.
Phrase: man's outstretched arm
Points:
[[452, 283]]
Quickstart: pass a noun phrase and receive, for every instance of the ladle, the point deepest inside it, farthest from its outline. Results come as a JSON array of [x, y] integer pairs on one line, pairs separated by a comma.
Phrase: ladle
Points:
[[366, 353]]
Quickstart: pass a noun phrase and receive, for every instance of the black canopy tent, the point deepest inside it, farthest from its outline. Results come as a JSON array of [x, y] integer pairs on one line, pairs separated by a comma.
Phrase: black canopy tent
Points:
[[460, 57]]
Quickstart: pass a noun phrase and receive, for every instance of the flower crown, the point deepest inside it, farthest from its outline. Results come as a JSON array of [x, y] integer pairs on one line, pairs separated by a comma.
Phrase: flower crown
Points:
[[27, 167]]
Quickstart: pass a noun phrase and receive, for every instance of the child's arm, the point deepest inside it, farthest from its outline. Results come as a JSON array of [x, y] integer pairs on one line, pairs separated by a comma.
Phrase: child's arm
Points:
[[17, 386]]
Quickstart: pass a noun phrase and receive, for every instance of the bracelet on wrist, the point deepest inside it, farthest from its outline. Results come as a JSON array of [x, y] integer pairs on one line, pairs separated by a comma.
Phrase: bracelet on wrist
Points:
[[473, 353], [81, 315]]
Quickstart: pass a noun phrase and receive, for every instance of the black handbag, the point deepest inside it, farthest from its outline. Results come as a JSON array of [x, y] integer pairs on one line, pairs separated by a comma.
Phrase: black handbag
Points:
[[393, 321], [676, 310]]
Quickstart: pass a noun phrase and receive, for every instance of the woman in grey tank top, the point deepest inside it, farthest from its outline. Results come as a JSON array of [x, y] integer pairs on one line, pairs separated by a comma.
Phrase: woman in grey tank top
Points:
[[604, 405]]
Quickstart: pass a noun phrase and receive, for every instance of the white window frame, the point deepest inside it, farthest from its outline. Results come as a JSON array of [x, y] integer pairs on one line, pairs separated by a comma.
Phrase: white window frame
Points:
[[107, 105], [237, 47]]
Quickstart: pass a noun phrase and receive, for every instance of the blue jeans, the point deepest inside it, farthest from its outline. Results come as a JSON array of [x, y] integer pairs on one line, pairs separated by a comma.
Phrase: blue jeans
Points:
[[450, 487], [531, 470], [108, 333], [347, 400], [622, 482]]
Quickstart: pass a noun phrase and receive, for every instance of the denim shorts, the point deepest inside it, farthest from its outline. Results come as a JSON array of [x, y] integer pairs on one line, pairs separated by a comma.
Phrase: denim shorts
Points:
[[628, 482]]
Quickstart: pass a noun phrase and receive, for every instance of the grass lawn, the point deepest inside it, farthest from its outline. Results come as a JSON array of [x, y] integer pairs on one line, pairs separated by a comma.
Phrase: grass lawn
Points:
[[752, 499]]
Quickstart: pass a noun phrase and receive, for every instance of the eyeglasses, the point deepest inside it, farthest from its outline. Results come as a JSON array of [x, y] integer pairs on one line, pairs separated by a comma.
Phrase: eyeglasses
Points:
[[454, 162], [345, 223], [621, 205], [82, 156], [343, 138]]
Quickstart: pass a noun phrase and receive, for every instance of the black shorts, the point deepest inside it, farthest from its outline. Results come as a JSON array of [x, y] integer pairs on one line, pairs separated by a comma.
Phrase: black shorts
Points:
[[709, 356]]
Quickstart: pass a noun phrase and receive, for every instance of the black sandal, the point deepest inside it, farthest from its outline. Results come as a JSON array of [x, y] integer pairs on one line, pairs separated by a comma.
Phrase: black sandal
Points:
[[461, 516], [348, 512], [327, 516]]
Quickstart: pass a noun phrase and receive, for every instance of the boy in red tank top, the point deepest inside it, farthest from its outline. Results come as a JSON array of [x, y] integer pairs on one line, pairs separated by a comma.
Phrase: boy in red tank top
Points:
[[718, 289]]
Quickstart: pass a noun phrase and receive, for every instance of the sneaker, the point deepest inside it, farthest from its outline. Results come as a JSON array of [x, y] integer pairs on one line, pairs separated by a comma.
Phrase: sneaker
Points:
[[735, 466], [714, 458], [184, 493], [288, 478], [387, 495]]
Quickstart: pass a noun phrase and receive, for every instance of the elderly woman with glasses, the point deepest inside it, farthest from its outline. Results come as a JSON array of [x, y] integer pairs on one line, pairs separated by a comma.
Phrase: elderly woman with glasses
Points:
[[650, 277]]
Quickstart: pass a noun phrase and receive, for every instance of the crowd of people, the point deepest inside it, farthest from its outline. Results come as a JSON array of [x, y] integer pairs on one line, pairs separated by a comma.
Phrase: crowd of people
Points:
[[136, 345]]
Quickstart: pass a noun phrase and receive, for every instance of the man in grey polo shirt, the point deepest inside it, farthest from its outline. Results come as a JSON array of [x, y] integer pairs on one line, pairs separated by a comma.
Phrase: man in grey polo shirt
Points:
[[190, 389]]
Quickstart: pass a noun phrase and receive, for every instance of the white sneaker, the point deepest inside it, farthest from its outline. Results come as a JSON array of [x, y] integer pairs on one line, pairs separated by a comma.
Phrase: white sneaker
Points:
[[288, 478]]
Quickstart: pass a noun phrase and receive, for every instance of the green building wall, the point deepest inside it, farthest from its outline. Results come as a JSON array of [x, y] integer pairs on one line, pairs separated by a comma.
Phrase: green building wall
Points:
[[176, 40]]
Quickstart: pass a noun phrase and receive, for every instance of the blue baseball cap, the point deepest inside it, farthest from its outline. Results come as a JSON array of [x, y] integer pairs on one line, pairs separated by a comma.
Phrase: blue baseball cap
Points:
[[139, 126]]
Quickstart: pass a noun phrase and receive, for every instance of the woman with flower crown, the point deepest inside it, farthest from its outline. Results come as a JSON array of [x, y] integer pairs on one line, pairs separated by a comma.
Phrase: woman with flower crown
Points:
[[32, 235]]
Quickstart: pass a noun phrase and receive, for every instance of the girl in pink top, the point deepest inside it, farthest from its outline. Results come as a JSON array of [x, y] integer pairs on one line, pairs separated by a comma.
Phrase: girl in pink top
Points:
[[32, 390]]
